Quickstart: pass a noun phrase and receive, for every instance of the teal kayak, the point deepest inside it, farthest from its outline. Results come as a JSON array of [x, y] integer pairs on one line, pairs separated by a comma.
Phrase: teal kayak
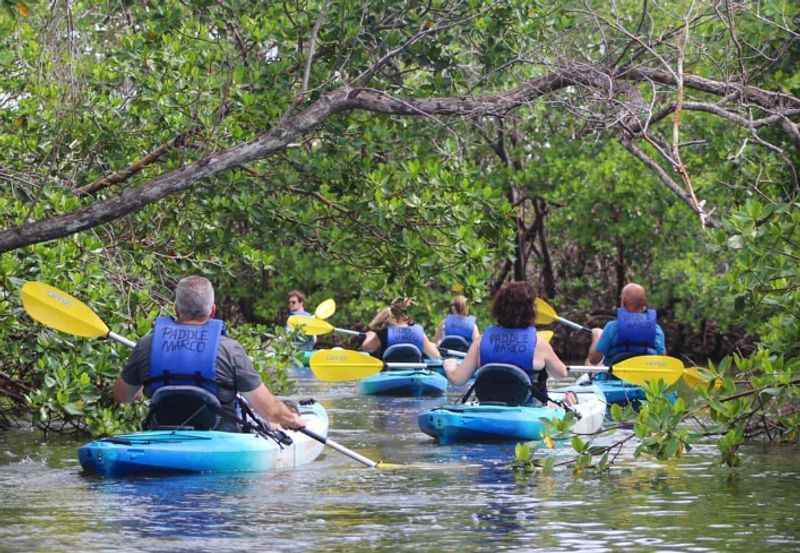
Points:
[[475, 422], [198, 451], [404, 383]]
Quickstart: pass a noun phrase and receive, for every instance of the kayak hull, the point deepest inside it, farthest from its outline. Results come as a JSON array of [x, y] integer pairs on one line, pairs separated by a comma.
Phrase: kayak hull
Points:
[[455, 423], [404, 383], [195, 451]]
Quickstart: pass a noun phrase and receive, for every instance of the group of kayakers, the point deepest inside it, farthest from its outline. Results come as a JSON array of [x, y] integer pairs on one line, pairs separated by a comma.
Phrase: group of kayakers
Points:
[[193, 373]]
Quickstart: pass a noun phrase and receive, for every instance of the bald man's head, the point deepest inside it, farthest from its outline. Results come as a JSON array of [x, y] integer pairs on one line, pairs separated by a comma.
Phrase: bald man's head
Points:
[[633, 298]]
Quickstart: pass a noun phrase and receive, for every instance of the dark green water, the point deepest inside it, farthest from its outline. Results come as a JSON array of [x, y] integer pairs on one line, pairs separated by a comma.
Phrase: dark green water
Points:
[[471, 501]]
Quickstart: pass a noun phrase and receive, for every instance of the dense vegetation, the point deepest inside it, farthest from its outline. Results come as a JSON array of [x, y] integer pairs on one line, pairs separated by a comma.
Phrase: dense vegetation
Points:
[[367, 150]]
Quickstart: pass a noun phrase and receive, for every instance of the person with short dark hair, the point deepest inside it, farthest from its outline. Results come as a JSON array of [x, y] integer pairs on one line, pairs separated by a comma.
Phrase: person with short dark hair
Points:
[[634, 332], [393, 326], [191, 356], [512, 341], [296, 300]]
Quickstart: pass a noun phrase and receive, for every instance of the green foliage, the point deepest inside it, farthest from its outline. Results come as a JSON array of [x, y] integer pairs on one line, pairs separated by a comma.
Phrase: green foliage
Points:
[[657, 425], [526, 463]]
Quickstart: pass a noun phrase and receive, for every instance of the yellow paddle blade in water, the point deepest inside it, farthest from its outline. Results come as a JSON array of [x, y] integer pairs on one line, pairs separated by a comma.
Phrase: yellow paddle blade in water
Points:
[[545, 335], [336, 365], [310, 325], [649, 368], [545, 314], [56, 309], [325, 309]]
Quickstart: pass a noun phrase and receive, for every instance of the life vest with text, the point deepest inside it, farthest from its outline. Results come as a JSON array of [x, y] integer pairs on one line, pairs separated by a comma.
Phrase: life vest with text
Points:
[[512, 346], [184, 354]]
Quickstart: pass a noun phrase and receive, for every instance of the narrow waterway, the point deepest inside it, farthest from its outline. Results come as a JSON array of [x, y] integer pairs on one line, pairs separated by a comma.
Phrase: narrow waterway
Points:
[[470, 501]]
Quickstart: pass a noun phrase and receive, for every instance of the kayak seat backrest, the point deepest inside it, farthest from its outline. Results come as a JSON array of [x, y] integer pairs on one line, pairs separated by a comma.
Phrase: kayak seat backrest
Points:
[[458, 343], [402, 353], [183, 407], [503, 384]]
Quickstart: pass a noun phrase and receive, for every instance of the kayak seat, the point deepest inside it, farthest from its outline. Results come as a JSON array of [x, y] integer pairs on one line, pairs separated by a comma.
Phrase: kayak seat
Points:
[[458, 343], [183, 407], [402, 353], [500, 383]]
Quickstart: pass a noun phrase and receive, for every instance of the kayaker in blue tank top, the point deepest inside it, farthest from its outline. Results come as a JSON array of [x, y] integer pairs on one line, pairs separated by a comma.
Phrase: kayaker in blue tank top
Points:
[[458, 322], [392, 325], [512, 341], [295, 300], [634, 332], [191, 350]]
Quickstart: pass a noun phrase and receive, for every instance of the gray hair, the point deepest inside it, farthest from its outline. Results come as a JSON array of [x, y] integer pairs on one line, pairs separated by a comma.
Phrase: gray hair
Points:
[[194, 298]]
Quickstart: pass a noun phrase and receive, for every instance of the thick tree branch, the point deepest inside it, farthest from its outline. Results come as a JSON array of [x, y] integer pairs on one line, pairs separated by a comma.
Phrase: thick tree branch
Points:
[[342, 100]]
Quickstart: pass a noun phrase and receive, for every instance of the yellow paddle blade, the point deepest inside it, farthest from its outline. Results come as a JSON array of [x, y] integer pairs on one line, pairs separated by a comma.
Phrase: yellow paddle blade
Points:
[[325, 309], [649, 368], [310, 325], [695, 379], [545, 335], [56, 309], [335, 365], [545, 314]]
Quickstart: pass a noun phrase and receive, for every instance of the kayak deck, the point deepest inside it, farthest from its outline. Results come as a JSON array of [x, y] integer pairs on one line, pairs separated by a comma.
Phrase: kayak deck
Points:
[[195, 451], [497, 423], [404, 383]]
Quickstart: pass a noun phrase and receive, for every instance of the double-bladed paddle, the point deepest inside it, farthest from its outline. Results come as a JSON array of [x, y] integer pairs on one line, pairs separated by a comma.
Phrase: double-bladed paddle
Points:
[[315, 327], [647, 368], [61, 311], [338, 365], [343, 364]]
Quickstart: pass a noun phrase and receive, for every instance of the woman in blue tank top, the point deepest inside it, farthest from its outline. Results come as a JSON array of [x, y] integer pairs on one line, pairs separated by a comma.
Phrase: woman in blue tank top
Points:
[[512, 340], [458, 322], [392, 326]]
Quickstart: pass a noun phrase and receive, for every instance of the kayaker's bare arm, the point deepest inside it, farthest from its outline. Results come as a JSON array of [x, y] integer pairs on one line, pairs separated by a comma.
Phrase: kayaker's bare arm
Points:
[[271, 408], [476, 334], [554, 365], [430, 349], [126, 393], [459, 373], [371, 342], [439, 333], [594, 357]]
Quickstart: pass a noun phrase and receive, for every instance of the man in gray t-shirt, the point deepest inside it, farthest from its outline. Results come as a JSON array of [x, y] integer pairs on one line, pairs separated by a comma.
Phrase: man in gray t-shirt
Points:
[[194, 305]]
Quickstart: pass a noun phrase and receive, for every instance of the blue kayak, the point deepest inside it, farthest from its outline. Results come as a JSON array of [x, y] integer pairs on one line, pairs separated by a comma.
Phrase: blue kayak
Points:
[[453, 423], [404, 383], [199, 451]]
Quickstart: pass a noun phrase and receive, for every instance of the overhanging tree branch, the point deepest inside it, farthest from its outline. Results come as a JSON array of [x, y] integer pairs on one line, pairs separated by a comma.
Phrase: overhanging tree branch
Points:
[[343, 100]]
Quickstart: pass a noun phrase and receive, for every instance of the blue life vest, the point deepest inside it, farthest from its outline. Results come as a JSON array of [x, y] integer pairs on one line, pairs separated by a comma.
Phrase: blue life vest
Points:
[[514, 346], [459, 325], [412, 334], [636, 334], [184, 354]]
